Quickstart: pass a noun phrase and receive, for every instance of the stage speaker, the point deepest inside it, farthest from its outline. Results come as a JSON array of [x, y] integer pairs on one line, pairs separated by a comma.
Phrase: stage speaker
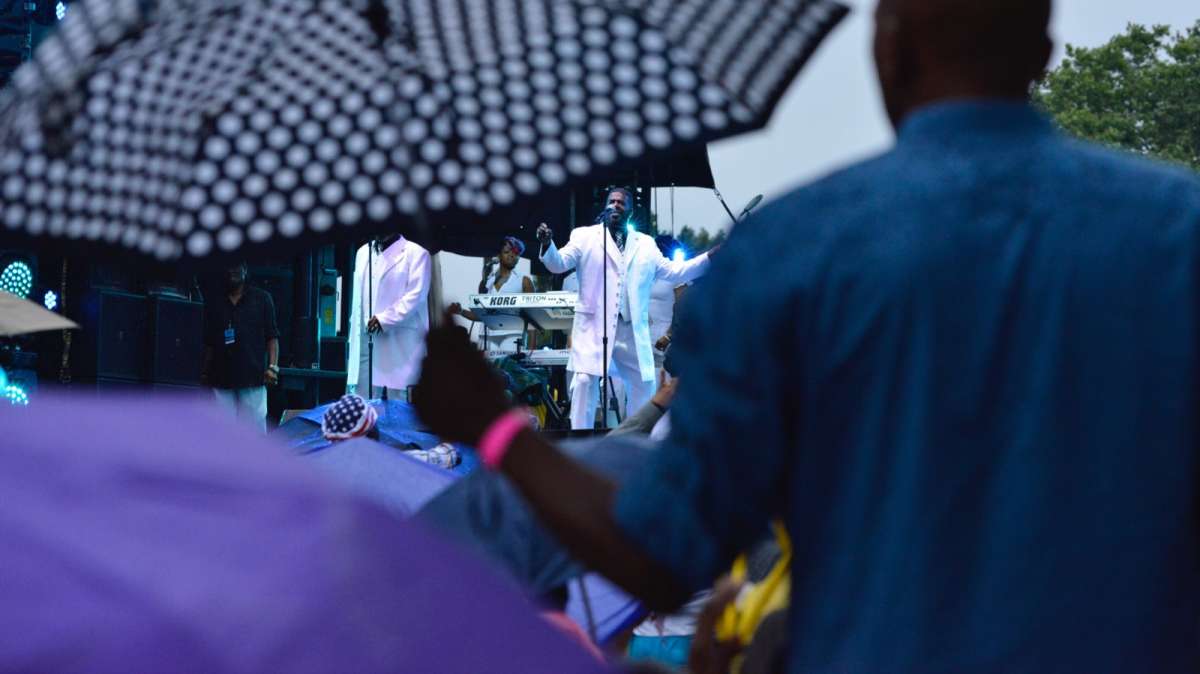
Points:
[[120, 335], [333, 353], [177, 341]]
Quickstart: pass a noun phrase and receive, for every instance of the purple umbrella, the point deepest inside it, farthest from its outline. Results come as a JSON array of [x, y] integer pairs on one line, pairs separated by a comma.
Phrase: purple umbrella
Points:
[[154, 535]]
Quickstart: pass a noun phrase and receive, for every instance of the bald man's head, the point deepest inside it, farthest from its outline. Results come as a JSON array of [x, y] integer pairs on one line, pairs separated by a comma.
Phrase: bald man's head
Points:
[[930, 50]]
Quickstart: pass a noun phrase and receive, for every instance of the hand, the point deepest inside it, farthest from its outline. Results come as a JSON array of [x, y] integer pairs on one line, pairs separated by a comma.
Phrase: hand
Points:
[[544, 234], [374, 326], [709, 656], [455, 309], [666, 390], [270, 377], [459, 394], [663, 342]]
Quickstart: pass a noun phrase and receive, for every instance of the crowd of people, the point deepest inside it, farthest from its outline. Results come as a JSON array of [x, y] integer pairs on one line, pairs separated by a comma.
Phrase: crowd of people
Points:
[[935, 412]]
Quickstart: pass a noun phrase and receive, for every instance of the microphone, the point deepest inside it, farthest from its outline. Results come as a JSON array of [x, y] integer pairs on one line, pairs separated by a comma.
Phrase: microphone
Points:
[[750, 206], [602, 219]]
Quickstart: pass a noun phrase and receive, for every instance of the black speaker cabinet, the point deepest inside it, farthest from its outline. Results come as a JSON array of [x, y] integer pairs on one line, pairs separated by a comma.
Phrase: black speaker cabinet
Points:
[[116, 322], [176, 341]]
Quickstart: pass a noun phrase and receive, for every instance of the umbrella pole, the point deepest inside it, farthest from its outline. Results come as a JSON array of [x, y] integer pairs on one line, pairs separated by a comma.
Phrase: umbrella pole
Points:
[[587, 609]]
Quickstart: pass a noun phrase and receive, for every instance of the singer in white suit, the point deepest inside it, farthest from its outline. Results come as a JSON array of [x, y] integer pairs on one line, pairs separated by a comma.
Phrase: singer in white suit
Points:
[[633, 263], [398, 316]]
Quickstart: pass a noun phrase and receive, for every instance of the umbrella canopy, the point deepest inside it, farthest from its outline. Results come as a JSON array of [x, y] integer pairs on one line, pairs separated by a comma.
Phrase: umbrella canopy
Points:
[[486, 512], [398, 428], [19, 317], [383, 474], [154, 535], [210, 128]]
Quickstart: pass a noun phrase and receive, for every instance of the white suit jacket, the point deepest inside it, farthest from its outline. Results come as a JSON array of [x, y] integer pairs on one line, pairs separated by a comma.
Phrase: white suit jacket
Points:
[[637, 268], [401, 287]]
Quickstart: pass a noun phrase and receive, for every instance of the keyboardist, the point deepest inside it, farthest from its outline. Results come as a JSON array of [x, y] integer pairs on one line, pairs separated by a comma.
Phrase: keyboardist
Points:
[[503, 280]]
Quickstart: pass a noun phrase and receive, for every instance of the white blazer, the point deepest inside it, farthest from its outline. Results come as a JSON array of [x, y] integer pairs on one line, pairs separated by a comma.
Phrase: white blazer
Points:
[[401, 288], [637, 268]]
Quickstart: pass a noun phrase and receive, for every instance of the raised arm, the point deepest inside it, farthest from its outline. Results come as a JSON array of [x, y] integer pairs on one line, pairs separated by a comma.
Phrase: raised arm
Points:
[[679, 272], [558, 261]]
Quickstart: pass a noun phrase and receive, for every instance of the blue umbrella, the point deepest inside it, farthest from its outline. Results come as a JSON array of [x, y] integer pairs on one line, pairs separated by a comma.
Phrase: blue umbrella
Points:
[[383, 474], [398, 428], [485, 512]]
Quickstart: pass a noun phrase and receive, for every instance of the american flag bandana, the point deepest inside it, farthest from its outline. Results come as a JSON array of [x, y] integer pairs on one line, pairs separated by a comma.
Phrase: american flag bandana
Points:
[[349, 417]]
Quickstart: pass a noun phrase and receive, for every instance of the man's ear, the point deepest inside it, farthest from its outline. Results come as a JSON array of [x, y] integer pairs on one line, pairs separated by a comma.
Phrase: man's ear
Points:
[[896, 63]]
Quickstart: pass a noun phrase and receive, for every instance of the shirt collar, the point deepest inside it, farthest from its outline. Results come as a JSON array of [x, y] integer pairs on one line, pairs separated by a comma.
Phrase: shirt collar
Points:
[[973, 120]]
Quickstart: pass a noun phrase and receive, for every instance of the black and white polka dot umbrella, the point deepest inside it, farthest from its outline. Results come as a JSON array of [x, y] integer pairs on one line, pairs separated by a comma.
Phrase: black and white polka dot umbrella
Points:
[[204, 128]]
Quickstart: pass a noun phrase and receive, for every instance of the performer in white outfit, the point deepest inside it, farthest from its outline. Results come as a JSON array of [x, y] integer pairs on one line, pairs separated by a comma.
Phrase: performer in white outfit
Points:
[[398, 316], [504, 280], [633, 264]]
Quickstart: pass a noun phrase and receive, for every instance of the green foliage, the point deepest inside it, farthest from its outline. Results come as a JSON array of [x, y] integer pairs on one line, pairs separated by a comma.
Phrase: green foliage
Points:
[[696, 242], [1140, 91]]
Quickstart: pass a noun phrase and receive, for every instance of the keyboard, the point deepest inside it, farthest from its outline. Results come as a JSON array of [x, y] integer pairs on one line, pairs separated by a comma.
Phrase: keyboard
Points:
[[525, 301], [545, 311], [539, 357]]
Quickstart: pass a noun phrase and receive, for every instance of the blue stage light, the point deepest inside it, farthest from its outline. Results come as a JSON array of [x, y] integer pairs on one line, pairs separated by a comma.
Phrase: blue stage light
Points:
[[3, 379], [679, 255], [50, 301], [16, 395], [60, 10], [630, 227], [17, 278]]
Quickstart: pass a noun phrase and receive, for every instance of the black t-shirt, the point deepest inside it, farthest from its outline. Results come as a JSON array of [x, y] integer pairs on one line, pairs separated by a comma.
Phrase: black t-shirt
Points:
[[242, 363]]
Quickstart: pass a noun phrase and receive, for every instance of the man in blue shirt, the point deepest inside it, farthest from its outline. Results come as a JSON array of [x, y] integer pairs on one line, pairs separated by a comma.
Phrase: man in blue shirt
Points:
[[970, 391]]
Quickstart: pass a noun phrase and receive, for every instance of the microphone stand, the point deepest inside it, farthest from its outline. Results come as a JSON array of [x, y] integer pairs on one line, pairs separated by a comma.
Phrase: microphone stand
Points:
[[725, 205], [604, 337], [371, 311]]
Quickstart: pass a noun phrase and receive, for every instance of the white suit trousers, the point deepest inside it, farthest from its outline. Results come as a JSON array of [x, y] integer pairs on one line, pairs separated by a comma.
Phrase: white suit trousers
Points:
[[585, 388]]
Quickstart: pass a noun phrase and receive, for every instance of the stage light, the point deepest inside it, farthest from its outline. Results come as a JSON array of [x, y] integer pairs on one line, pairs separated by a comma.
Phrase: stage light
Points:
[[3, 379], [60, 10], [16, 395], [50, 301], [630, 227], [679, 255], [17, 278]]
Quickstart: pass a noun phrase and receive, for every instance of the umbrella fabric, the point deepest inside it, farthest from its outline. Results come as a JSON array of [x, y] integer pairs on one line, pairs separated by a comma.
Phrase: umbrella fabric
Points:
[[398, 428], [157, 535], [20, 317], [485, 511], [608, 611], [399, 483], [214, 128]]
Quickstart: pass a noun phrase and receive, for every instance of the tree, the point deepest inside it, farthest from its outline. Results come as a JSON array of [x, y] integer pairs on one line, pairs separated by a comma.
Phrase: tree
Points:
[[696, 242], [1140, 91]]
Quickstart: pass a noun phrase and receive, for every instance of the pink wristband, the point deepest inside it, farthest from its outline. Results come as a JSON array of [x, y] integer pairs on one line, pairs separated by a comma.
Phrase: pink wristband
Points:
[[498, 437]]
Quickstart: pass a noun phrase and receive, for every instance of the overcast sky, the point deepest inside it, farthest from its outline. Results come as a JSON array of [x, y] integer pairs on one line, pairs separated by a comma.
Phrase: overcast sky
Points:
[[832, 116]]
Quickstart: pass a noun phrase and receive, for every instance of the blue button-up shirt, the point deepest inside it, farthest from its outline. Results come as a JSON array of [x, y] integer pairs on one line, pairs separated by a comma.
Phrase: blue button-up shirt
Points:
[[964, 373]]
